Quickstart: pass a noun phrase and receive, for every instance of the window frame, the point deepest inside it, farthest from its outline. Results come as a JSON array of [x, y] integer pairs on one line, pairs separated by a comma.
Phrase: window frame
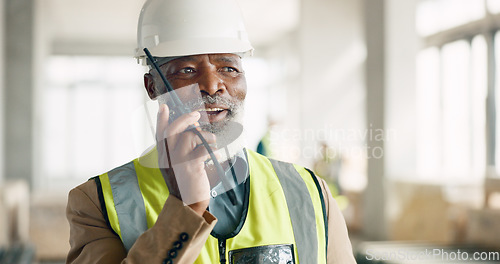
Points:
[[488, 27]]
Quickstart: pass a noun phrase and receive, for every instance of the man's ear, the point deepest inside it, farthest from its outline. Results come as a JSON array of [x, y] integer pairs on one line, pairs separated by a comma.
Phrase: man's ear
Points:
[[150, 86]]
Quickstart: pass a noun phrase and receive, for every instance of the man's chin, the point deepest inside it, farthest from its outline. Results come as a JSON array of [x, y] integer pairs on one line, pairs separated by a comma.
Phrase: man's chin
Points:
[[229, 134], [229, 148], [213, 127], [225, 131]]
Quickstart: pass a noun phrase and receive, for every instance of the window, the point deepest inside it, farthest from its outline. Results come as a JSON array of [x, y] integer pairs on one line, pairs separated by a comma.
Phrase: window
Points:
[[456, 107], [493, 6], [86, 108], [434, 16], [428, 103], [452, 88]]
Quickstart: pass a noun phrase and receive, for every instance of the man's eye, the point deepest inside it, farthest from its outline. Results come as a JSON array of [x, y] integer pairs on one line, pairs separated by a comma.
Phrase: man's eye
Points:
[[187, 70], [229, 69]]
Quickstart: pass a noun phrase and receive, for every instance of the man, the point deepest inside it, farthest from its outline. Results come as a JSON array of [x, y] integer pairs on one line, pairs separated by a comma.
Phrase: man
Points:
[[172, 205]]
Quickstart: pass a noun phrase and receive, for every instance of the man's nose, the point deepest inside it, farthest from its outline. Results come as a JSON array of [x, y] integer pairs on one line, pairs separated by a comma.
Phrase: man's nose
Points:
[[210, 83]]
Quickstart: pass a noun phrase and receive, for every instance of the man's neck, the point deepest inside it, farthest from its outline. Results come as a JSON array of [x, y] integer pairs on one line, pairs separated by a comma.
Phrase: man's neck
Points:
[[213, 177]]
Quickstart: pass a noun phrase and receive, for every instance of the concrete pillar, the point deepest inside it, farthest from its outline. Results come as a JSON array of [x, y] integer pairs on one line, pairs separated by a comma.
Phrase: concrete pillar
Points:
[[402, 45], [3, 210], [2, 89], [392, 46], [491, 124], [374, 200], [18, 107]]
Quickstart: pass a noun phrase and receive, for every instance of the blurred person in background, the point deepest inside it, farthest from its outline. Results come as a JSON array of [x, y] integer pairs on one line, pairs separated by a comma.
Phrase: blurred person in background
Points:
[[328, 166], [172, 205]]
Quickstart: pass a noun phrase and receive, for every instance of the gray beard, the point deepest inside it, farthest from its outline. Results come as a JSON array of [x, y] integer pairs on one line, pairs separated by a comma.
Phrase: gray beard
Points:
[[230, 135], [229, 132], [226, 130]]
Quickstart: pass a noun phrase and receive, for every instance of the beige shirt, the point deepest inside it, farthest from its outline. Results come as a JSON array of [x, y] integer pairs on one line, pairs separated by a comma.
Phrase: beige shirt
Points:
[[93, 241]]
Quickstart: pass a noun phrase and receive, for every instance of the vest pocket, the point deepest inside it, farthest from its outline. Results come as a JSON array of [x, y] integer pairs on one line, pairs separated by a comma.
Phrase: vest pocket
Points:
[[271, 254]]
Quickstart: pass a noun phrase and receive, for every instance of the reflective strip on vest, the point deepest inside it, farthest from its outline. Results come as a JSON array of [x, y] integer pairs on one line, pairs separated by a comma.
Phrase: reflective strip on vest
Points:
[[301, 211], [129, 204], [315, 191], [272, 184]]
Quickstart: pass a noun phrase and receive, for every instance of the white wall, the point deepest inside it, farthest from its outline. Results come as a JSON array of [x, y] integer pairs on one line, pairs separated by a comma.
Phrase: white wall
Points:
[[281, 101], [332, 55], [402, 45], [400, 110], [316, 83]]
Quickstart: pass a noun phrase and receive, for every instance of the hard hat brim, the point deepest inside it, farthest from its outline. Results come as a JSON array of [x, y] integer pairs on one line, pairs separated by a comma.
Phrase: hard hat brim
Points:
[[193, 47]]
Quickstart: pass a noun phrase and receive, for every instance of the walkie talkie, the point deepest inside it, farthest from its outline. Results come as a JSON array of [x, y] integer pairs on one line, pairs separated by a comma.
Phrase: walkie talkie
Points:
[[180, 108]]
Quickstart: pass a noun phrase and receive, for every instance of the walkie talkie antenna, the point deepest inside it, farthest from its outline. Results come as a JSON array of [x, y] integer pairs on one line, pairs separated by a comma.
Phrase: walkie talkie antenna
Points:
[[177, 103]]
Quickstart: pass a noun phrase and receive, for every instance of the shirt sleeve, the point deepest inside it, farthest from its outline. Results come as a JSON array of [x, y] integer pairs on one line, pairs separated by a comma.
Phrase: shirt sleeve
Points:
[[339, 246], [93, 241]]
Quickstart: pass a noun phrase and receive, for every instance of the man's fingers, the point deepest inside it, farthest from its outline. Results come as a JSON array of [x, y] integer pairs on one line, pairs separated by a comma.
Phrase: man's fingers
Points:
[[178, 126], [182, 123], [201, 154], [189, 142]]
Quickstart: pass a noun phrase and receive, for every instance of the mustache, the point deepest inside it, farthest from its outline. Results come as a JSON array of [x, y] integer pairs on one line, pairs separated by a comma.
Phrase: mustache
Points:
[[231, 105]]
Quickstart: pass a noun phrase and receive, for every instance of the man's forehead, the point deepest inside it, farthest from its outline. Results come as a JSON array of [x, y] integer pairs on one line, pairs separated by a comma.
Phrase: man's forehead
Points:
[[223, 57]]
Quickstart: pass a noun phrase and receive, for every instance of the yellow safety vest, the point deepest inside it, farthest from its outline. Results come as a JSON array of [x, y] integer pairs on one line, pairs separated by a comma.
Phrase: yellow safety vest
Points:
[[285, 210]]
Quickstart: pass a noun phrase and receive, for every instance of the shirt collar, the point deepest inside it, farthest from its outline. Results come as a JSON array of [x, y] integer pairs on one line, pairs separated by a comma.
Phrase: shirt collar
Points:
[[236, 173]]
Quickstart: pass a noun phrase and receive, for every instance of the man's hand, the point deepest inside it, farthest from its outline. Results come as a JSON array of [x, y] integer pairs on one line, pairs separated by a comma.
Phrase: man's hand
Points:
[[182, 157]]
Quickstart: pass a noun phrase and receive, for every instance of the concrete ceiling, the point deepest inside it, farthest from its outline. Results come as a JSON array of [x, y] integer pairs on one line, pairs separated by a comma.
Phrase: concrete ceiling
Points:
[[74, 24]]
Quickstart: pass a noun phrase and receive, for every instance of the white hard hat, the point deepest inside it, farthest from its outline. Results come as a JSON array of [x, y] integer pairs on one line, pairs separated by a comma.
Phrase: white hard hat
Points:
[[173, 28]]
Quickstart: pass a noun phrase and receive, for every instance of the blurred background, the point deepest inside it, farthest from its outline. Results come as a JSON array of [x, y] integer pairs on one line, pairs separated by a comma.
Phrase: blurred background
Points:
[[395, 103]]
